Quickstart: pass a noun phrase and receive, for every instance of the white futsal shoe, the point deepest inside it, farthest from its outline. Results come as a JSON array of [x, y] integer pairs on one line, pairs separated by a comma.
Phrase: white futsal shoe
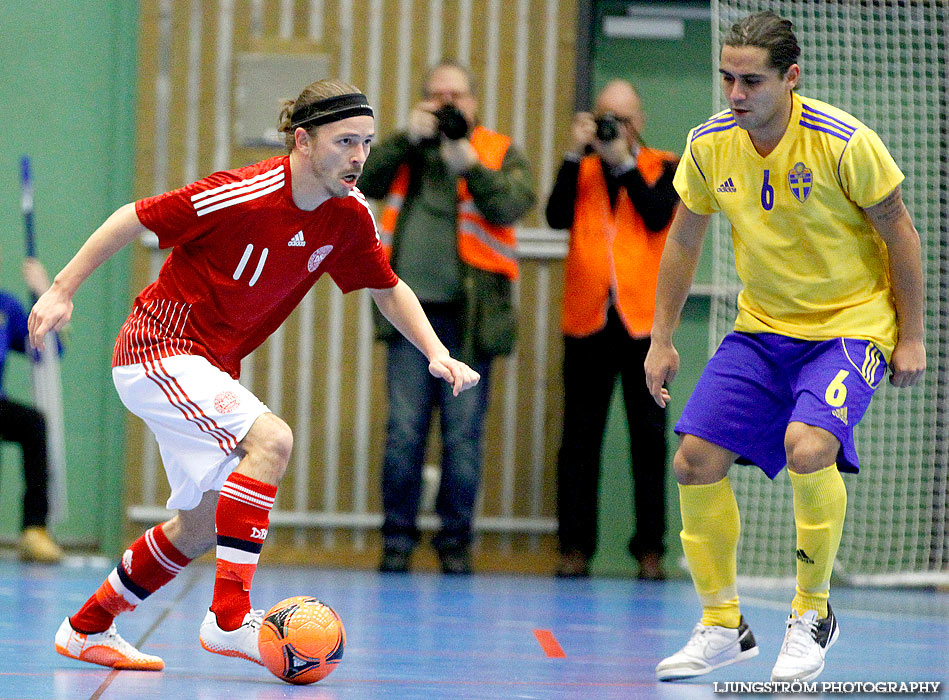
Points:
[[104, 648], [805, 644], [241, 643], [709, 647]]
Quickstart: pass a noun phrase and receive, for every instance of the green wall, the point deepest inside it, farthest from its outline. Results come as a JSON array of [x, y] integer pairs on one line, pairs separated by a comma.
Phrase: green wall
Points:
[[673, 78], [67, 99]]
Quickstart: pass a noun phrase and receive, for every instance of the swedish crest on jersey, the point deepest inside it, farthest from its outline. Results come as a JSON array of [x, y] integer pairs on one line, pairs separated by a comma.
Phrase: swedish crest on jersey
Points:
[[800, 179]]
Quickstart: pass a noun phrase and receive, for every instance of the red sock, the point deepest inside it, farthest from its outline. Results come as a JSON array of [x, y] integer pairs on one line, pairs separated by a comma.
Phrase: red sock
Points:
[[147, 565], [243, 514]]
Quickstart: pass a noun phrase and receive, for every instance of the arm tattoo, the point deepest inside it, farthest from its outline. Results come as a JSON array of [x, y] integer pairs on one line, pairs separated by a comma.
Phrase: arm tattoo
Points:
[[891, 209]]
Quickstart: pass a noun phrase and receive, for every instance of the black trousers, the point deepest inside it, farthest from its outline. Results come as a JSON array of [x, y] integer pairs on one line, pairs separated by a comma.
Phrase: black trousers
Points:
[[590, 367], [26, 426]]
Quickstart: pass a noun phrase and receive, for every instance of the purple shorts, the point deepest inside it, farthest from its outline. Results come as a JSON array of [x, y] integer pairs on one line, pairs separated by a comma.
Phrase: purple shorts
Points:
[[756, 383]]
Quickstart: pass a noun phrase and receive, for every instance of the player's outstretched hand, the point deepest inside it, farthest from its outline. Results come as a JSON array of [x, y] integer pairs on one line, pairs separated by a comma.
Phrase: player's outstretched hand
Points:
[[662, 365], [51, 312], [907, 363], [456, 373]]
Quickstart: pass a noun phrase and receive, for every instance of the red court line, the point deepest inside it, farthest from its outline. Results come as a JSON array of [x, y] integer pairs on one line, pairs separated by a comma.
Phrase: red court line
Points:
[[549, 643]]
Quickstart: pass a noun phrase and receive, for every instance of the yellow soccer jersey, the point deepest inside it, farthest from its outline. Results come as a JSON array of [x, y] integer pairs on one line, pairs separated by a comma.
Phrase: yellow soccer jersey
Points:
[[812, 265]]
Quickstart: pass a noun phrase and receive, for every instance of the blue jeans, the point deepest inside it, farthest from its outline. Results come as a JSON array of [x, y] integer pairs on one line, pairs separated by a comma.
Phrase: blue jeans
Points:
[[413, 395]]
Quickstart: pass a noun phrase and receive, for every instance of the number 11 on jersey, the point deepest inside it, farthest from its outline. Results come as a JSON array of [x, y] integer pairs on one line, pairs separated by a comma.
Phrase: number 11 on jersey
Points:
[[243, 263]]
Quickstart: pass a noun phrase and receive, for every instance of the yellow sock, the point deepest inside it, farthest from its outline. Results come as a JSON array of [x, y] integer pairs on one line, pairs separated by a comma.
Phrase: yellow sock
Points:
[[710, 530], [820, 505]]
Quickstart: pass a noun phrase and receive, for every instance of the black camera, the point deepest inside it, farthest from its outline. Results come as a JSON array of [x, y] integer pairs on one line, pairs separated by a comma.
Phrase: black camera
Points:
[[451, 122], [607, 127]]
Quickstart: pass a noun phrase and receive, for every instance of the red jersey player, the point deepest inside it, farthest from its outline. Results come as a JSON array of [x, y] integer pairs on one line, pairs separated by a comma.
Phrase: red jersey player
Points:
[[247, 245]]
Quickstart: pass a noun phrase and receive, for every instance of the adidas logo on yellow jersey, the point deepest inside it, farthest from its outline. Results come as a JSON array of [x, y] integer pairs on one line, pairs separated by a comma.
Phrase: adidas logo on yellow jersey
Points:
[[727, 186]]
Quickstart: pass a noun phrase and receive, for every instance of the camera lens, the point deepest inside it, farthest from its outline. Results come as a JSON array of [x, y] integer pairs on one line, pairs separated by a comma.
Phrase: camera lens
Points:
[[451, 122], [607, 128]]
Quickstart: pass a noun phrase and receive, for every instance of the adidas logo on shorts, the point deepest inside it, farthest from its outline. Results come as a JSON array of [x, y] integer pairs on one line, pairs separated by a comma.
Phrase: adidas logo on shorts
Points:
[[841, 413], [727, 186]]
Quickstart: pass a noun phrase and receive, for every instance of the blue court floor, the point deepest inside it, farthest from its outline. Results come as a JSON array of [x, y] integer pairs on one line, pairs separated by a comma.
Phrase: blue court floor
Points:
[[424, 636]]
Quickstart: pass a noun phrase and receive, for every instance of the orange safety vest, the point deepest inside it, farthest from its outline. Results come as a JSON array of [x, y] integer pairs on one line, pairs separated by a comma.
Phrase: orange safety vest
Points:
[[611, 250], [481, 244]]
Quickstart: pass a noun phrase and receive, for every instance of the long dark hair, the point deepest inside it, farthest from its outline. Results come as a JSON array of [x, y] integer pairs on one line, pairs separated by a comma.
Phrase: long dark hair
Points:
[[767, 31]]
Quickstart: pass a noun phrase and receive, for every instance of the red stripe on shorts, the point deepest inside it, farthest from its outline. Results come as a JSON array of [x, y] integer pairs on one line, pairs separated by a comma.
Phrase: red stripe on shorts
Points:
[[192, 413], [228, 435]]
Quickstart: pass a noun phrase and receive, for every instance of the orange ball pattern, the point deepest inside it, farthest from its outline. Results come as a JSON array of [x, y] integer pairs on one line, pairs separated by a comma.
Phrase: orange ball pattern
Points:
[[301, 640]]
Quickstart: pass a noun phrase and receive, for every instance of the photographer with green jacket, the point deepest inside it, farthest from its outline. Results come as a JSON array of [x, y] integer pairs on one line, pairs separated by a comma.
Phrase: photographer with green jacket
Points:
[[453, 190]]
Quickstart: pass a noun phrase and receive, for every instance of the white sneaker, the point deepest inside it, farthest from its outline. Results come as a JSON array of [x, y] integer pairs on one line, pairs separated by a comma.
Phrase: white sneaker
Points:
[[805, 643], [709, 647], [104, 648], [241, 642]]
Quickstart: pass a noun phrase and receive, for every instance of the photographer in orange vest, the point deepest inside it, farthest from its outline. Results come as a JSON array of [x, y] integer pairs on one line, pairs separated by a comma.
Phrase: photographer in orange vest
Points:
[[616, 197], [453, 190]]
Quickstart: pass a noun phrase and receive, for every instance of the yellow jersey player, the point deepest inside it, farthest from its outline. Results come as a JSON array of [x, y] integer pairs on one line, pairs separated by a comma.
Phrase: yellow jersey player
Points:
[[832, 295]]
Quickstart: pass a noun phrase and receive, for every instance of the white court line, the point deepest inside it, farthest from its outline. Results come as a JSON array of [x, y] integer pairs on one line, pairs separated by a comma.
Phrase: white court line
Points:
[[902, 617]]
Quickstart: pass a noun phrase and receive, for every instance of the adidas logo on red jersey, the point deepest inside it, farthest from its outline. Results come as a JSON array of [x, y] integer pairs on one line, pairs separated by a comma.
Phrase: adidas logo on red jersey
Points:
[[297, 240]]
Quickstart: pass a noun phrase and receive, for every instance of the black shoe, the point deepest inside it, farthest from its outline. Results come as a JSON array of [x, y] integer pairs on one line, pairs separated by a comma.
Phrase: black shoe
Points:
[[394, 561], [650, 567], [573, 564], [455, 561]]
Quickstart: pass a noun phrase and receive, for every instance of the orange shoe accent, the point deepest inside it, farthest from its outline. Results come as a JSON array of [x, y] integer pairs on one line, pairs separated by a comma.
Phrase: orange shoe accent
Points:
[[104, 648], [222, 651]]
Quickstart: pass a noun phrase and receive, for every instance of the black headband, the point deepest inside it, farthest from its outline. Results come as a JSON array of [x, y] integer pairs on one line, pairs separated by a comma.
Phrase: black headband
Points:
[[331, 109]]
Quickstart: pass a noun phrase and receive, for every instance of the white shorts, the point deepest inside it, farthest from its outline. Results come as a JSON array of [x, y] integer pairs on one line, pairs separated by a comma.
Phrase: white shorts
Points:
[[198, 414]]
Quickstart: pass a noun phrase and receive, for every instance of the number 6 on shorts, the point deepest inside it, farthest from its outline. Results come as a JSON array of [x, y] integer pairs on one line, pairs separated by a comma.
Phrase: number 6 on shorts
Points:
[[836, 392]]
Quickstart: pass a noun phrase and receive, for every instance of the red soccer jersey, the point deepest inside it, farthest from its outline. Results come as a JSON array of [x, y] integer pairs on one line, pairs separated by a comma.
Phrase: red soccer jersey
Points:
[[243, 257]]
